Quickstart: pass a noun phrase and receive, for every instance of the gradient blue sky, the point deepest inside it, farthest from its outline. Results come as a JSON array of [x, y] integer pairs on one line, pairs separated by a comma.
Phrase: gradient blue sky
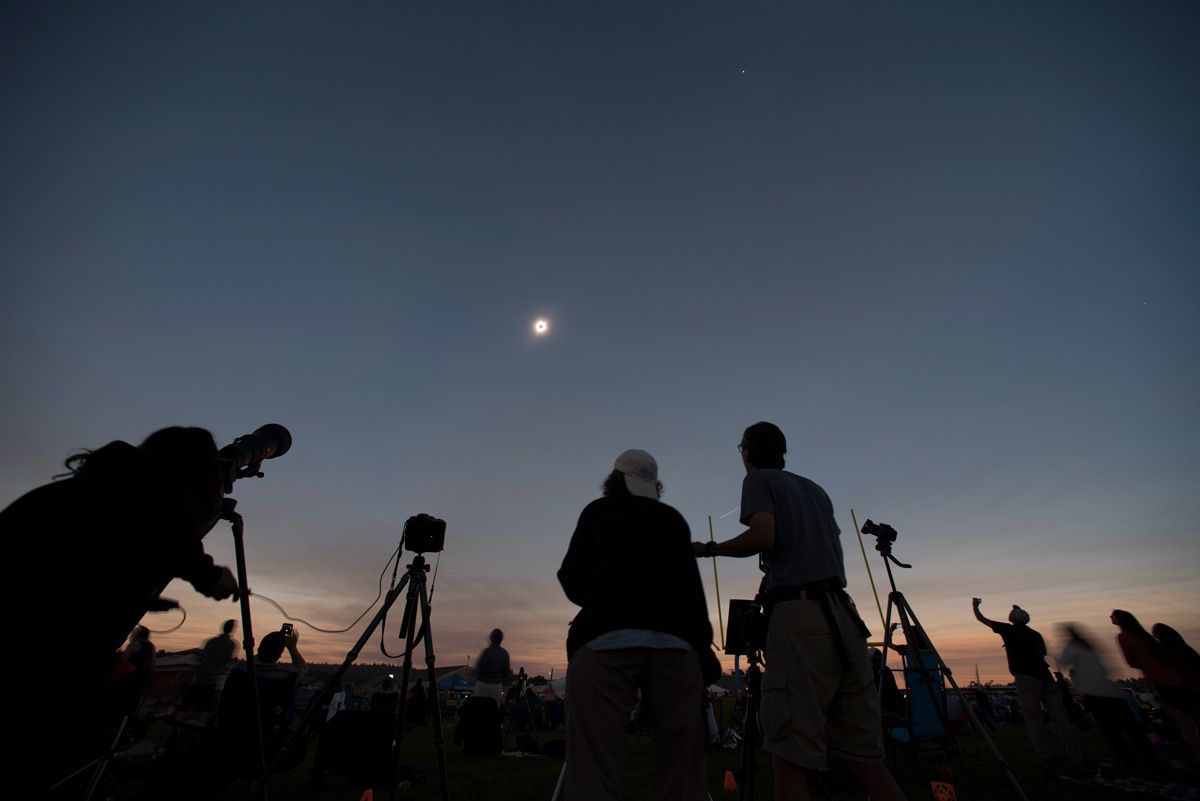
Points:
[[950, 250]]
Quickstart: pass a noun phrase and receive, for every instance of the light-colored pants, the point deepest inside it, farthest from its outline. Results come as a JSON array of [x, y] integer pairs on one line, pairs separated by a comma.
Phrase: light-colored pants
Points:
[[602, 691], [486, 689], [1032, 694]]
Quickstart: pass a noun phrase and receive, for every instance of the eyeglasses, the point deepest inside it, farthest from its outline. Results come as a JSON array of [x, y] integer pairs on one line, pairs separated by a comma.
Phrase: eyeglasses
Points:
[[741, 447]]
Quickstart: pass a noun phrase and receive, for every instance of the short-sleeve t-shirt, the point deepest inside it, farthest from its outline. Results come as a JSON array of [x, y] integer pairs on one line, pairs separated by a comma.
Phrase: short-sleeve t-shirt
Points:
[[808, 547], [1025, 650]]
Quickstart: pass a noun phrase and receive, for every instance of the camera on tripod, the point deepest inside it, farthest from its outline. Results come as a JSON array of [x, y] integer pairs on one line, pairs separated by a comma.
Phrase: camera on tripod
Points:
[[424, 534], [880, 531], [747, 630]]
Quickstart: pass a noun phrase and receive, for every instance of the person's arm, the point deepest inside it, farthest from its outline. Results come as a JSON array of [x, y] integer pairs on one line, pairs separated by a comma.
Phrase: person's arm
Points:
[[758, 538], [576, 568], [297, 660], [975, 602]]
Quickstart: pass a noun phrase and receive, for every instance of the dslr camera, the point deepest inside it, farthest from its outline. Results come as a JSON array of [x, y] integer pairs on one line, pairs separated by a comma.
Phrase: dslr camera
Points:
[[424, 534], [880, 531]]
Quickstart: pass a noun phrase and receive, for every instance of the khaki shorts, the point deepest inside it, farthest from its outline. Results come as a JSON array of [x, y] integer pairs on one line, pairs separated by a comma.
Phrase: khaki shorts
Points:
[[813, 703]]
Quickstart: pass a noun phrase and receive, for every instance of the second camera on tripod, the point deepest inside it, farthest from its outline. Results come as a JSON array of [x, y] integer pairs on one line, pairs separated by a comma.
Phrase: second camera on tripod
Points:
[[424, 534]]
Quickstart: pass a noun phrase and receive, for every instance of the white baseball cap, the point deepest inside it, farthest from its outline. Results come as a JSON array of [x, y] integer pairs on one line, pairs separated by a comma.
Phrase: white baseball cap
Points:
[[641, 473]]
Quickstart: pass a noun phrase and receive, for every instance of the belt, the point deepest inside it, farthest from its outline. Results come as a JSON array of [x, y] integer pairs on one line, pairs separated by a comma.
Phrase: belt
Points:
[[820, 591], [804, 592]]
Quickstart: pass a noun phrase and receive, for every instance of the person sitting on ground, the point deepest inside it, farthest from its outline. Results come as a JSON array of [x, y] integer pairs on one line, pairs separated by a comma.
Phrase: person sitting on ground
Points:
[[272, 648]]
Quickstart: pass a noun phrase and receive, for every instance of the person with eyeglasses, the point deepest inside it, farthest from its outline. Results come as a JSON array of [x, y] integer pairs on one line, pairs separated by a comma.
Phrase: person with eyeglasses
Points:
[[818, 692]]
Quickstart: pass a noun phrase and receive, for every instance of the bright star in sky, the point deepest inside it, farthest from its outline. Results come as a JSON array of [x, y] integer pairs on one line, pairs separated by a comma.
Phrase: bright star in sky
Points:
[[541, 327]]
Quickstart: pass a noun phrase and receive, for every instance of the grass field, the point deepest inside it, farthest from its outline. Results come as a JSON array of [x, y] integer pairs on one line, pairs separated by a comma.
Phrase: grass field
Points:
[[504, 778]]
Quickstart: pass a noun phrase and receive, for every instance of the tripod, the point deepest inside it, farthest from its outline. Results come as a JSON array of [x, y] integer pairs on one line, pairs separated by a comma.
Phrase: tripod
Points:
[[918, 641], [750, 726], [416, 602]]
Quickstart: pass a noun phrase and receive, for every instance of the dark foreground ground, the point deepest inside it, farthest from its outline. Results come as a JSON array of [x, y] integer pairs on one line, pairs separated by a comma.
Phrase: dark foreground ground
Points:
[[977, 775]]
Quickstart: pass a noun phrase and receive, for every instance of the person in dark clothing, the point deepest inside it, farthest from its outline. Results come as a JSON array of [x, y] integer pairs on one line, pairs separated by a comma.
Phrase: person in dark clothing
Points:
[[492, 668], [643, 625], [418, 705], [114, 532], [124, 523], [1026, 651], [214, 663]]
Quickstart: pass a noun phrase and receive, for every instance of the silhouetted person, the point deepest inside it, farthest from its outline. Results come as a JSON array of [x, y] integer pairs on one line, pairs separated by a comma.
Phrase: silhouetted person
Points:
[[113, 533], [383, 700], [108, 538], [642, 625], [1104, 701], [140, 656], [1178, 653], [1168, 681], [214, 663], [418, 705], [818, 694], [1026, 651], [492, 669]]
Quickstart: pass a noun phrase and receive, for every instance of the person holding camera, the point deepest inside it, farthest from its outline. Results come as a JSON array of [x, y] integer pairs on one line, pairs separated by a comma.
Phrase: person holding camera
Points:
[[818, 692], [1026, 652], [643, 626]]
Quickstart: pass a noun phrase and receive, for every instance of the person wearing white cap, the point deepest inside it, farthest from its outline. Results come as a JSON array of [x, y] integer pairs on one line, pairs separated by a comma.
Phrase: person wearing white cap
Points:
[[1026, 651], [643, 626]]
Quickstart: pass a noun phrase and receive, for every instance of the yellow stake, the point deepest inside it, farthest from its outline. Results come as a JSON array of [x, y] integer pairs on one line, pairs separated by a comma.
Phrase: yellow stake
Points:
[[878, 606], [720, 618]]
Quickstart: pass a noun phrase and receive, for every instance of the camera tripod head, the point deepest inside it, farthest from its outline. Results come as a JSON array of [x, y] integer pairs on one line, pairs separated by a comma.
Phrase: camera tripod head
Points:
[[885, 537]]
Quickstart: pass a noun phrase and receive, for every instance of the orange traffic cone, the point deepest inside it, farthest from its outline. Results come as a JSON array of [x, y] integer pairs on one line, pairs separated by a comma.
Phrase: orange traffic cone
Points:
[[730, 782], [368, 795]]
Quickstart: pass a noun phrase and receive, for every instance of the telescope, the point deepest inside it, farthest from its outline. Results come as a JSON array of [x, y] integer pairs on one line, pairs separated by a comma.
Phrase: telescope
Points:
[[243, 457]]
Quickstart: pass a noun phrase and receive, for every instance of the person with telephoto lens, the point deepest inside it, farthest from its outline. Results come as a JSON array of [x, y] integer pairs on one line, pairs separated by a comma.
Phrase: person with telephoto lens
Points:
[[106, 540], [818, 691], [643, 625]]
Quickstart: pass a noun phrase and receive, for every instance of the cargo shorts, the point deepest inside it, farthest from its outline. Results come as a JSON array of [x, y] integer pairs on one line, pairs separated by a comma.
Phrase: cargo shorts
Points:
[[818, 691]]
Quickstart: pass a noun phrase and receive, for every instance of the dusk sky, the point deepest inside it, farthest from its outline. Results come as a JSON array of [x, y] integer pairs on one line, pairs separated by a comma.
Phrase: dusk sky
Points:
[[951, 250]]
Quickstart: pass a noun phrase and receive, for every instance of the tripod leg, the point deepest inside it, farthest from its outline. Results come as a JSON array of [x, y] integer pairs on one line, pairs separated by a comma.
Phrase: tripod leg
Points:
[[439, 739], [915, 625], [562, 774], [409, 627], [315, 706]]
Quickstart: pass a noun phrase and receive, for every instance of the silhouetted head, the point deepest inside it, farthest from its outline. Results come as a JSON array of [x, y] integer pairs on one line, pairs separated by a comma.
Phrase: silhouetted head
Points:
[[1125, 621], [1167, 635], [763, 446], [634, 473], [1074, 632], [1018, 616], [496, 637], [188, 456], [139, 633], [271, 648], [229, 626]]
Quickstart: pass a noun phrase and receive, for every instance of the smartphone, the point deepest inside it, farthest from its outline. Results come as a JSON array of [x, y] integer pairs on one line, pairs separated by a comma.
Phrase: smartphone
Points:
[[287, 630]]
